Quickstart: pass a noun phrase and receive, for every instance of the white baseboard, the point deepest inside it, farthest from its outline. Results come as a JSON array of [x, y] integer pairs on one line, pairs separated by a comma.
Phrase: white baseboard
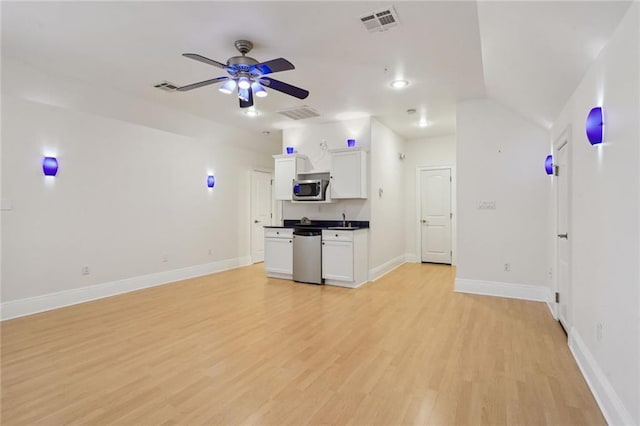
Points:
[[411, 258], [386, 267], [610, 403], [552, 307], [500, 289], [47, 302]]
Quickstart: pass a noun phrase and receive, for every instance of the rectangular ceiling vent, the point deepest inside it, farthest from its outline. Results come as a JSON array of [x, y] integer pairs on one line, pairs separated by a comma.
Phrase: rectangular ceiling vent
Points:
[[299, 113], [167, 86], [380, 20]]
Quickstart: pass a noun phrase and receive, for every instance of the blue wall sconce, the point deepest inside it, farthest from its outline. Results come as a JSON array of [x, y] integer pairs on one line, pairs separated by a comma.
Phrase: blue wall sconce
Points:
[[548, 164], [50, 166], [594, 126], [211, 181]]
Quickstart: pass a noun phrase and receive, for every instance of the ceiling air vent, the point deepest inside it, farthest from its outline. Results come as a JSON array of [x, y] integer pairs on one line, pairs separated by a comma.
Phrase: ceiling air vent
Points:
[[380, 20], [299, 113], [167, 86]]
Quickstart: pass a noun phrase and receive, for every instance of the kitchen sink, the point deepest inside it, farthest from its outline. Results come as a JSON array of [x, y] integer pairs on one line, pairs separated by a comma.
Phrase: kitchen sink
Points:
[[342, 228]]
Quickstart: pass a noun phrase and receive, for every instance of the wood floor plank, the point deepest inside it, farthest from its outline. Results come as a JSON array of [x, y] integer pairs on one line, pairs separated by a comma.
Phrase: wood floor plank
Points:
[[239, 348]]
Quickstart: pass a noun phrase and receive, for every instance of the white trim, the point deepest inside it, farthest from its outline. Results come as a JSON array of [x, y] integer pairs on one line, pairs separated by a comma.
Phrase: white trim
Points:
[[411, 258], [279, 275], [552, 305], [345, 284], [386, 267], [510, 290], [608, 400], [454, 210], [47, 302]]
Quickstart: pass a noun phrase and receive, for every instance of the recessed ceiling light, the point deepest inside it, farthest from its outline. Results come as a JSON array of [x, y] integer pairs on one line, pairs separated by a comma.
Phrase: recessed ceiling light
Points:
[[423, 123], [399, 84], [251, 112]]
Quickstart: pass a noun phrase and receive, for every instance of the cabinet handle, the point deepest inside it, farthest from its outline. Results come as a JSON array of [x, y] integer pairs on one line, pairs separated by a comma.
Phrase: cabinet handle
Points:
[[323, 243], [289, 240], [336, 235]]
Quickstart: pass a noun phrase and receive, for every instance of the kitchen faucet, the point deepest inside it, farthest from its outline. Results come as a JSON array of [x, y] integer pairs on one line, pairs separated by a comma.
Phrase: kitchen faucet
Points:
[[344, 220]]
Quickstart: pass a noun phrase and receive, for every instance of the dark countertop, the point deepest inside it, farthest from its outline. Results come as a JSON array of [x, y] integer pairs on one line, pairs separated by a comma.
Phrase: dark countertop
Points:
[[324, 224]]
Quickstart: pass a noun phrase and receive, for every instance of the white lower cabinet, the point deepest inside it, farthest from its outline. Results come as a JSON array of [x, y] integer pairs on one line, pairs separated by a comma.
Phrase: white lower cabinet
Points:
[[344, 257], [278, 252], [337, 260]]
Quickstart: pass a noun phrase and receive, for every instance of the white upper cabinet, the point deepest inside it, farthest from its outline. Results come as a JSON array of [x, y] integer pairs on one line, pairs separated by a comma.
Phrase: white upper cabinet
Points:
[[286, 169], [348, 173]]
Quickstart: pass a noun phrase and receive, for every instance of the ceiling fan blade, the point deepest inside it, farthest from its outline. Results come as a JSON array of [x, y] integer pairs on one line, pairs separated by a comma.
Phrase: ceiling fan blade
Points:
[[274, 65], [201, 83], [246, 98], [201, 58], [284, 87]]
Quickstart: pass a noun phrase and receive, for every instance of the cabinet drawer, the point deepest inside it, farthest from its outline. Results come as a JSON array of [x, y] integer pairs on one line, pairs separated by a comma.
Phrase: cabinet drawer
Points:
[[278, 233], [329, 235]]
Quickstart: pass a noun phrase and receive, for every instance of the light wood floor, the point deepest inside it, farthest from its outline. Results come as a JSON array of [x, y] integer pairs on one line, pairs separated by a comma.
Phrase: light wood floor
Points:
[[235, 347]]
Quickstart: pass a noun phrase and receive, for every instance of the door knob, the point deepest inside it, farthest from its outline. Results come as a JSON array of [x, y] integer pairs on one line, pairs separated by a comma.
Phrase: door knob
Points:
[[565, 236], [424, 221], [256, 221]]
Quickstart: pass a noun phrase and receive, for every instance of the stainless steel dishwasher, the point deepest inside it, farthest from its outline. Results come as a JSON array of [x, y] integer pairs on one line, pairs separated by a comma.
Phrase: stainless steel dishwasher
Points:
[[307, 255]]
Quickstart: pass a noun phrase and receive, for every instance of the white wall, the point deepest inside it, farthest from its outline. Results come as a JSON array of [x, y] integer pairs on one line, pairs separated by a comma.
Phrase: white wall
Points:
[[126, 194], [430, 152], [605, 225], [315, 141], [386, 236], [500, 158]]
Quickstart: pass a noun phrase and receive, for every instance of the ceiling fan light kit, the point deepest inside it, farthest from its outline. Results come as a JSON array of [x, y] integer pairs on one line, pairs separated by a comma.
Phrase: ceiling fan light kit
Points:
[[248, 76]]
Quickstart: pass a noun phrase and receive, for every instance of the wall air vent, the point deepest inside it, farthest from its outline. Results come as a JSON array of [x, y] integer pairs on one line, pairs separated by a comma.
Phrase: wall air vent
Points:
[[380, 20], [167, 86], [299, 113]]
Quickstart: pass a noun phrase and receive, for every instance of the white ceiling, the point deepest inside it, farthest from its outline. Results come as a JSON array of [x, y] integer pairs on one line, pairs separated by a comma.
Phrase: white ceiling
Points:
[[528, 55]]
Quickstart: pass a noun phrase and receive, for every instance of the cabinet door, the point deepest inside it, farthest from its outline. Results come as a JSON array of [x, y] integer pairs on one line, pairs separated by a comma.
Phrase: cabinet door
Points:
[[337, 260], [278, 255], [348, 175], [285, 173]]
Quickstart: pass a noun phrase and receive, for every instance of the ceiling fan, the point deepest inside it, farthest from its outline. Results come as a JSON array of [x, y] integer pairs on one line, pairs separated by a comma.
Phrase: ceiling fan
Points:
[[247, 75]]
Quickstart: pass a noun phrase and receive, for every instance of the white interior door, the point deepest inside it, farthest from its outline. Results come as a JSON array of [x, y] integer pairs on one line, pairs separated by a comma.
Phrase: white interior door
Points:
[[260, 212], [435, 215], [564, 265]]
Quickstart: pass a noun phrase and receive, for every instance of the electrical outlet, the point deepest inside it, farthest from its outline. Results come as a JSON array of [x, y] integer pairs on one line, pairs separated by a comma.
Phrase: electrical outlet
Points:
[[599, 332], [85, 270], [165, 258], [507, 267]]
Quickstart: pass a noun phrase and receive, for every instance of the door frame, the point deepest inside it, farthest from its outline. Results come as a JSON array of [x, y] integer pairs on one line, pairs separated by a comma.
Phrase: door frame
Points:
[[564, 140], [454, 204], [251, 201]]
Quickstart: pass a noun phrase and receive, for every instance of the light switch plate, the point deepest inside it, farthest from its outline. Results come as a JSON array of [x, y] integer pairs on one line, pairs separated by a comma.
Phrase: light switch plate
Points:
[[487, 205]]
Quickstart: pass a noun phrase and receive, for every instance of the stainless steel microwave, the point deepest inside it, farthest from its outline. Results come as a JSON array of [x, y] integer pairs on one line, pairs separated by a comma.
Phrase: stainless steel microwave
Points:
[[310, 190]]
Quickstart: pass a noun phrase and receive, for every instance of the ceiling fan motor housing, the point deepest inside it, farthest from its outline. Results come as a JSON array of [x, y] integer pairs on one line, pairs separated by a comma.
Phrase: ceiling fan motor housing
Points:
[[243, 46]]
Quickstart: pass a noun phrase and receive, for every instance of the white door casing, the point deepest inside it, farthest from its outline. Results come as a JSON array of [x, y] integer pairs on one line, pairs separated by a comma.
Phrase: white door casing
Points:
[[435, 215], [261, 203], [563, 286]]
